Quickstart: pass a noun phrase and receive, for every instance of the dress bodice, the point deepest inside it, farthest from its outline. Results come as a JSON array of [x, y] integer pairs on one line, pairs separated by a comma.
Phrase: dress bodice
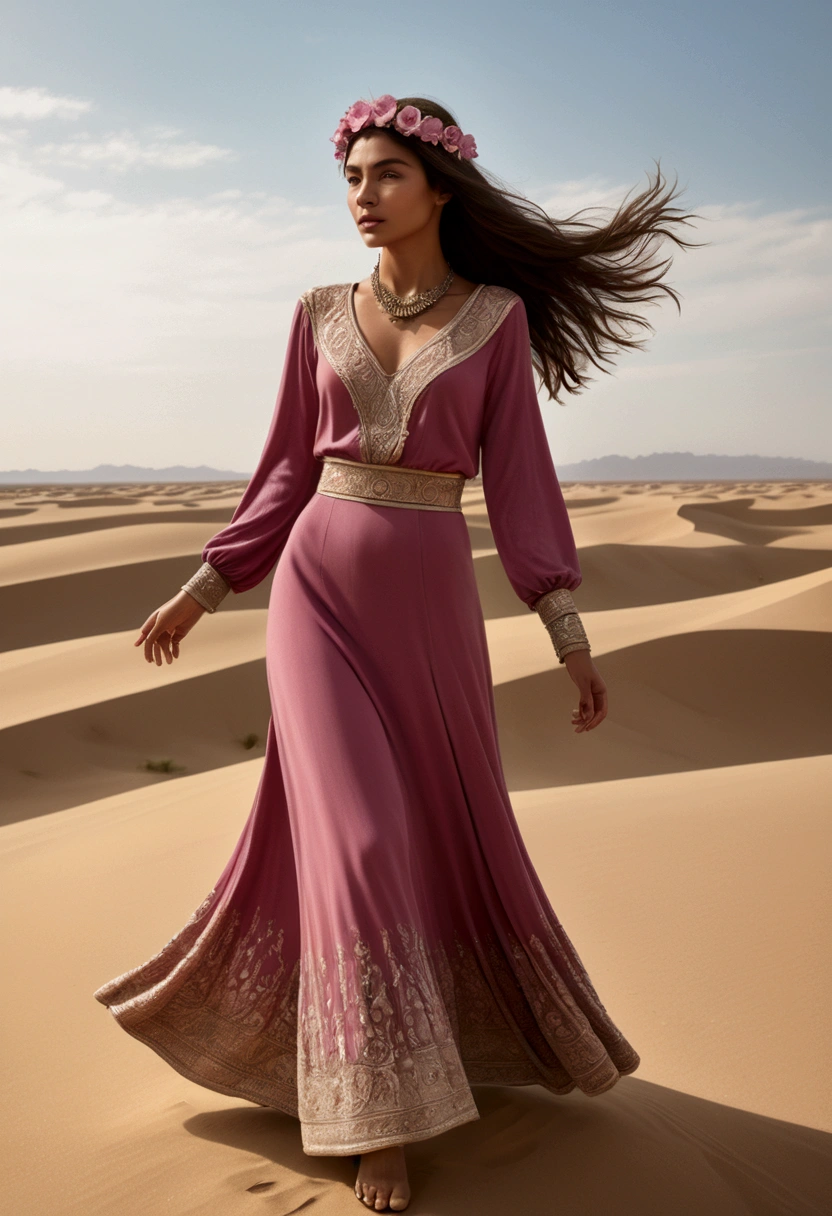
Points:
[[464, 402], [384, 401]]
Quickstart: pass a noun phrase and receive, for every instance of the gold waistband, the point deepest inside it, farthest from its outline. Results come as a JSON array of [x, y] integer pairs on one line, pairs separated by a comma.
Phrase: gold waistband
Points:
[[391, 485]]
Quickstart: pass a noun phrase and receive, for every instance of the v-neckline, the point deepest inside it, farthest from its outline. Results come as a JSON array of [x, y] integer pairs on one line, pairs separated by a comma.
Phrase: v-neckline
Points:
[[433, 338]]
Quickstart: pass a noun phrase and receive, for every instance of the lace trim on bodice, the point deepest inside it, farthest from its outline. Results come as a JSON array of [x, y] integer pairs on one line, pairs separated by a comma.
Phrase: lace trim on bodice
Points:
[[382, 400]]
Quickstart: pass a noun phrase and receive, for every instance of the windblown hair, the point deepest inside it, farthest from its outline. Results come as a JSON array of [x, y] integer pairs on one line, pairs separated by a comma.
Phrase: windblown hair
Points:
[[579, 278]]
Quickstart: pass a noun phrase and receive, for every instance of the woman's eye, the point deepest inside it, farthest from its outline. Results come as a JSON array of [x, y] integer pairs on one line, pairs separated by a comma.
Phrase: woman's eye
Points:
[[387, 172]]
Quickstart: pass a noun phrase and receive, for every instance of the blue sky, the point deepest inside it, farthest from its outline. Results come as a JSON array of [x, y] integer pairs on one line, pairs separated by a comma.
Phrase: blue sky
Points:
[[167, 189]]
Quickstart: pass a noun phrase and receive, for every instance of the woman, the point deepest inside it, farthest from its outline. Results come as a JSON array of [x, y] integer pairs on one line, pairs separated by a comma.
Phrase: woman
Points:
[[379, 940]]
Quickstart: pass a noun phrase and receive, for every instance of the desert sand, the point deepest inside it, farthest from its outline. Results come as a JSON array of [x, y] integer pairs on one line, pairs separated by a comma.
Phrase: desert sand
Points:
[[685, 846]]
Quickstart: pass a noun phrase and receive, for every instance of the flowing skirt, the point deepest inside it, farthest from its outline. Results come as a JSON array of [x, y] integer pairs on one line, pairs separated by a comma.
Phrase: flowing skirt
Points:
[[379, 940]]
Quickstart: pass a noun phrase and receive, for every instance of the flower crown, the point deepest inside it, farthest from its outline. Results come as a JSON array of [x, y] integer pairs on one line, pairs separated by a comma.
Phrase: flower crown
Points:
[[408, 121]]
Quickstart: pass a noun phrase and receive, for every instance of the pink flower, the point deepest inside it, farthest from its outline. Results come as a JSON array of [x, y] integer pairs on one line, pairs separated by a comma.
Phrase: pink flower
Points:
[[450, 138], [407, 120], [340, 138], [359, 115], [430, 129], [381, 112], [467, 147], [384, 109]]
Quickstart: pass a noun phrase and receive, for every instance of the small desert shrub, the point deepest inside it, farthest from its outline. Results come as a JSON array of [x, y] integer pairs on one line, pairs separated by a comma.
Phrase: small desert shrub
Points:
[[163, 766]]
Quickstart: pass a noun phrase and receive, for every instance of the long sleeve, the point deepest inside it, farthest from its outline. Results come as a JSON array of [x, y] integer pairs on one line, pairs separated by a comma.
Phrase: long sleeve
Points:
[[285, 477], [526, 510]]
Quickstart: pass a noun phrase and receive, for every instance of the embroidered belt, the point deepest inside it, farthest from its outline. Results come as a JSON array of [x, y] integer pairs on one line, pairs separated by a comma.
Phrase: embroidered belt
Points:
[[391, 485]]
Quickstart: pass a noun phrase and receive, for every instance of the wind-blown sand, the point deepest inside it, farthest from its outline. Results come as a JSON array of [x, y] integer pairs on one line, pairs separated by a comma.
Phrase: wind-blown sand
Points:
[[685, 845]]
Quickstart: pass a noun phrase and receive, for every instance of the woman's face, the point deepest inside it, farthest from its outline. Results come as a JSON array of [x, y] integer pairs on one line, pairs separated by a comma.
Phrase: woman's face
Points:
[[386, 180]]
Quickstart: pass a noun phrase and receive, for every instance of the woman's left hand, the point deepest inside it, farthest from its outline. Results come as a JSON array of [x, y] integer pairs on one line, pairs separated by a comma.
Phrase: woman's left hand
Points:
[[593, 704]]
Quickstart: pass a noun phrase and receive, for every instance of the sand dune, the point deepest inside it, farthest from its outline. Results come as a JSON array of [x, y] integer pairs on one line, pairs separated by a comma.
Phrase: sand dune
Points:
[[90, 713], [518, 649], [98, 550], [42, 680], [87, 521], [627, 576], [685, 846], [709, 939], [681, 703], [92, 602], [741, 520]]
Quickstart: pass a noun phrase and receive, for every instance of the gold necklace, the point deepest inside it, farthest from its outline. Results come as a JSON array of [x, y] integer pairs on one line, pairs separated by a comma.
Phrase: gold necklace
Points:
[[399, 308]]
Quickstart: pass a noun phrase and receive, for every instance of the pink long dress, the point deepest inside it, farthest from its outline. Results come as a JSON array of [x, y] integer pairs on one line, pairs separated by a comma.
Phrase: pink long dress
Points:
[[379, 940]]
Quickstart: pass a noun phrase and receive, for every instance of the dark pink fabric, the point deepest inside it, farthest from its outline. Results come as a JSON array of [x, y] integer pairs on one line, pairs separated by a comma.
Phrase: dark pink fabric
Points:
[[487, 402], [380, 941]]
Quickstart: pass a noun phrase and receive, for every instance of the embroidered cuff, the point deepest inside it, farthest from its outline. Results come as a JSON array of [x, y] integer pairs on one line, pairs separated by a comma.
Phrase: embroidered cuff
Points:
[[207, 587], [557, 611]]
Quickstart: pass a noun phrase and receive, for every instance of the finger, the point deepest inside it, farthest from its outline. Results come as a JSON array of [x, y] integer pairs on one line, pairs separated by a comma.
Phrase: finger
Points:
[[145, 629], [164, 642], [150, 641], [586, 709], [601, 706]]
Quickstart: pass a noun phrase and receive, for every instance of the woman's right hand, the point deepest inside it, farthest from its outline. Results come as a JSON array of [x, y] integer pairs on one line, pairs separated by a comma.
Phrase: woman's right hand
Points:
[[165, 628]]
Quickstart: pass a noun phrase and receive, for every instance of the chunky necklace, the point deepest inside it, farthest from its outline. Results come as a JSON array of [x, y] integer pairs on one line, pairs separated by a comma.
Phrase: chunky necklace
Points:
[[399, 308]]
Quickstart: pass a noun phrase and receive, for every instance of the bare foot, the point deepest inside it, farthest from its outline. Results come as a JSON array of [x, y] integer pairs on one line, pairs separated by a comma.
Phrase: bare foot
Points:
[[382, 1180]]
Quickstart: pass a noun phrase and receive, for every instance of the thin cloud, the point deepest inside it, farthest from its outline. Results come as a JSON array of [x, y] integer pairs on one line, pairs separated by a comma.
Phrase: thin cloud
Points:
[[157, 147], [125, 151], [32, 104]]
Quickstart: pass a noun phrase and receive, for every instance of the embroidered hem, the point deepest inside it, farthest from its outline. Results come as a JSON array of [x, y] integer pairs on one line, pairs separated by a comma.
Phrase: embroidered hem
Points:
[[377, 1045]]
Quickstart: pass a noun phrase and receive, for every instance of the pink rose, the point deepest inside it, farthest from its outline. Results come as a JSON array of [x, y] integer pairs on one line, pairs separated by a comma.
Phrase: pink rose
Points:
[[407, 120], [340, 138], [359, 115], [430, 129], [384, 110], [467, 147], [450, 138]]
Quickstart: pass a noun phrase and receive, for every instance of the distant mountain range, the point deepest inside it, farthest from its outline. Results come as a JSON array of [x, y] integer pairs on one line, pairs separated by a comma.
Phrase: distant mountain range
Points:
[[660, 466], [117, 474]]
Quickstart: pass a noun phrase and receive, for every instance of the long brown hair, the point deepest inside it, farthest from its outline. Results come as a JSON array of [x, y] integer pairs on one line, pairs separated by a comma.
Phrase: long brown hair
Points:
[[578, 278]]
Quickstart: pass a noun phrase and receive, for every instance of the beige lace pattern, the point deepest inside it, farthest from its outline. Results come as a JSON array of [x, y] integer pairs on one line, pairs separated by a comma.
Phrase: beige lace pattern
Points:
[[392, 485], [558, 613], [376, 1044], [384, 401], [207, 587]]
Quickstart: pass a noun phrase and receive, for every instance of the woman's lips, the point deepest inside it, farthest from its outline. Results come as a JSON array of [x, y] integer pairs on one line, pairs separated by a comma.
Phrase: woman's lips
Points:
[[369, 223]]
